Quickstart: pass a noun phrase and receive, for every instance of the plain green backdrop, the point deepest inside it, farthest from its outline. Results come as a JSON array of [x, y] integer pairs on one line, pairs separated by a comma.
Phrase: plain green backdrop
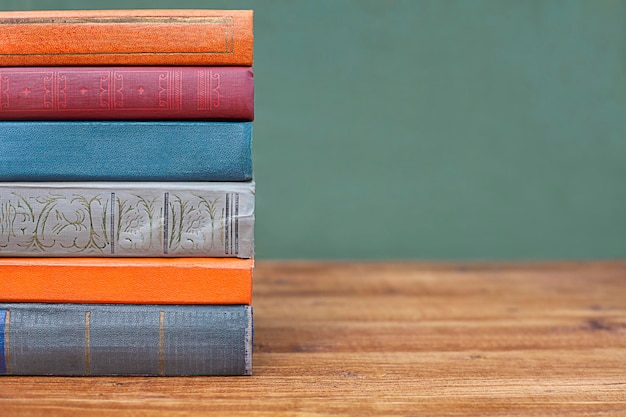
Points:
[[441, 130]]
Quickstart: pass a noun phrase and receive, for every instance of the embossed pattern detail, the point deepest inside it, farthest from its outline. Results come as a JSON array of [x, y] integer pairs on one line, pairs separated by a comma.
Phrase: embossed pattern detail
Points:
[[209, 94], [193, 220], [219, 93]]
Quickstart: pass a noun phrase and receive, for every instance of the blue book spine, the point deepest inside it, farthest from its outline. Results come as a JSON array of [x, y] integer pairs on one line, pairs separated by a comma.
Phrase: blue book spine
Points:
[[125, 151], [100, 339]]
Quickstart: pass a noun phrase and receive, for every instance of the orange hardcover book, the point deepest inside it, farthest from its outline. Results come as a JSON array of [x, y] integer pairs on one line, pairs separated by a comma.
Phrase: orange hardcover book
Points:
[[126, 37], [126, 280]]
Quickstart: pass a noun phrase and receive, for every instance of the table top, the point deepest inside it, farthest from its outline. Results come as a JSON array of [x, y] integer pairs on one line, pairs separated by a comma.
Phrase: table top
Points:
[[381, 338]]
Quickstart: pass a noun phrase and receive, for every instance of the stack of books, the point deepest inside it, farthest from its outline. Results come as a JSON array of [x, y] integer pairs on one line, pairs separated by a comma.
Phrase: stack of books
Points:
[[126, 192]]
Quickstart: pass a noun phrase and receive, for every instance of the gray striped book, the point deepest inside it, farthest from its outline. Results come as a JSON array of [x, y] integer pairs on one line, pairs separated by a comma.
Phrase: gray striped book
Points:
[[127, 219], [99, 339]]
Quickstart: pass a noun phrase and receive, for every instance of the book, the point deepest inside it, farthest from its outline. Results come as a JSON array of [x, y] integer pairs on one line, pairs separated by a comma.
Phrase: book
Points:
[[126, 280], [127, 219], [126, 37], [125, 151], [126, 93], [83, 340]]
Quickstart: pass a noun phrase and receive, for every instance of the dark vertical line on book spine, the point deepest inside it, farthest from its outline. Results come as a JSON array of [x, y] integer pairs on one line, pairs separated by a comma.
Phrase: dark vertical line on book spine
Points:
[[226, 226], [88, 342], [237, 224], [7, 341], [162, 343], [166, 197], [112, 223], [232, 223]]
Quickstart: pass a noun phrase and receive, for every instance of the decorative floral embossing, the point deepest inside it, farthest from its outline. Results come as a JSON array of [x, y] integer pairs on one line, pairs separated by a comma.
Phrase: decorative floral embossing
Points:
[[8, 213], [78, 223], [38, 236], [211, 207], [195, 225], [122, 210], [96, 239], [180, 209], [88, 222], [129, 236], [137, 223], [149, 207]]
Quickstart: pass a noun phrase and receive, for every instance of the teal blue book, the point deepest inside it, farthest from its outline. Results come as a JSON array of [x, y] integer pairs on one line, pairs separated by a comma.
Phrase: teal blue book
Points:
[[125, 151], [105, 339]]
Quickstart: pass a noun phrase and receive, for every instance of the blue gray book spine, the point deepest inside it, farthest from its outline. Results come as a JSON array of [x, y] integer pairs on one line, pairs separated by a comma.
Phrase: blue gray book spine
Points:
[[125, 151], [98, 340], [127, 219]]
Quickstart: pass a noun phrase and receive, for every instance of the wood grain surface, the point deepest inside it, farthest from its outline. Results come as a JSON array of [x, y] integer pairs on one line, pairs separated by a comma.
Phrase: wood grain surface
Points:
[[394, 339]]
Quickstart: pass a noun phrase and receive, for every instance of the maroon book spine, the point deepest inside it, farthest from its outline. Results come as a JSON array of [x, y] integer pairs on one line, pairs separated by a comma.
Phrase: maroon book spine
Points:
[[126, 93]]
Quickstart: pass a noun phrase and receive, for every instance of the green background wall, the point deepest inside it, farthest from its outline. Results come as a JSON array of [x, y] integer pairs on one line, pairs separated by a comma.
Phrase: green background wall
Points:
[[434, 129]]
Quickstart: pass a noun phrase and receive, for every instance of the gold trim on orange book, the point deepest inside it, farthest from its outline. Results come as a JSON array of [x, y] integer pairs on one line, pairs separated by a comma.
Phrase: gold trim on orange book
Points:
[[131, 37]]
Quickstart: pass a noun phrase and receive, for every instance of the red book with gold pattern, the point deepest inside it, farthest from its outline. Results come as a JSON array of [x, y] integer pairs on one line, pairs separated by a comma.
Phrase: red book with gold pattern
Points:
[[126, 93]]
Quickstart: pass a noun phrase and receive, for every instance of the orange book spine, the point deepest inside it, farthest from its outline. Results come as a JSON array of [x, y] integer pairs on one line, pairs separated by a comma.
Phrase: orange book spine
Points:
[[126, 280], [126, 37]]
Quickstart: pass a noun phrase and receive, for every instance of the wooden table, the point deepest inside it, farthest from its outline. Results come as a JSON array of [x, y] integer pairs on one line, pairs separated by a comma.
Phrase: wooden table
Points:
[[394, 339]]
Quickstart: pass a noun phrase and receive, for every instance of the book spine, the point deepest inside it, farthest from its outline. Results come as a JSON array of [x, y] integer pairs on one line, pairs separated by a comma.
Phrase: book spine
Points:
[[125, 151], [117, 219], [97, 340], [126, 37], [126, 280], [126, 93]]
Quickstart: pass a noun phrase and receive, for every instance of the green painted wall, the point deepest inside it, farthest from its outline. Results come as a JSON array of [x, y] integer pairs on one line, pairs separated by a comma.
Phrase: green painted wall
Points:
[[434, 129]]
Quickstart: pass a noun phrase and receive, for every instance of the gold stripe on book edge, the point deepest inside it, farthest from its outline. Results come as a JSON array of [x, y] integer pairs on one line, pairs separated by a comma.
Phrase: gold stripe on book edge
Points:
[[7, 322], [172, 20], [88, 342], [162, 343]]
